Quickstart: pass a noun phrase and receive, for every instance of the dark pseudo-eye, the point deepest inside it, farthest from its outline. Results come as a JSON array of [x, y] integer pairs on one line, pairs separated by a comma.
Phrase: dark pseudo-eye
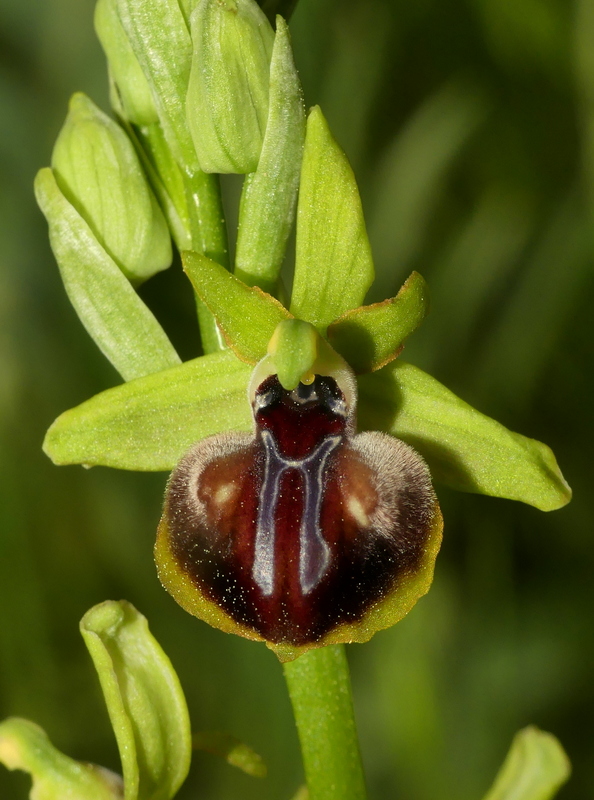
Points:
[[301, 533]]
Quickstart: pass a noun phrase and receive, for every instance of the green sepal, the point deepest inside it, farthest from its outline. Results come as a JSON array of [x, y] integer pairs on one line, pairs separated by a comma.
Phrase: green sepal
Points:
[[145, 701], [464, 449], [534, 769], [121, 325], [98, 171], [134, 91], [269, 194], [370, 337], [333, 263], [149, 423], [233, 750], [246, 316], [161, 42], [26, 746], [227, 100]]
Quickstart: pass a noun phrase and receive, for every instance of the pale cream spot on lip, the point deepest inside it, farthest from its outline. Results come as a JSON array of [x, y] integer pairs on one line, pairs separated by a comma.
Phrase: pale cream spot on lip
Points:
[[224, 493], [355, 508]]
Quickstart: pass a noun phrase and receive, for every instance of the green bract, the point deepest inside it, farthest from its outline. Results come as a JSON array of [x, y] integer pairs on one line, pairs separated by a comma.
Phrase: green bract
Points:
[[161, 42], [135, 93], [98, 172], [227, 101], [109, 308], [269, 194]]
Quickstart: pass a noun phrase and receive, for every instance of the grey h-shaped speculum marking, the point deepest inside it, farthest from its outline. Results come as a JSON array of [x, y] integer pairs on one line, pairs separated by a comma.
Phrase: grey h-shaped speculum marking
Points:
[[314, 553]]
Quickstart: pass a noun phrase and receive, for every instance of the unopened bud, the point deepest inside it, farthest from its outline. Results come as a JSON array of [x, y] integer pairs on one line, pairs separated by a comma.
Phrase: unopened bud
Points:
[[227, 101], [135, 93], [98, 171]]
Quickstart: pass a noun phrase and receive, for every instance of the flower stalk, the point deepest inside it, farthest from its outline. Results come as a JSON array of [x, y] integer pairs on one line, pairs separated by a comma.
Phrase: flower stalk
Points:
[[320, 689]]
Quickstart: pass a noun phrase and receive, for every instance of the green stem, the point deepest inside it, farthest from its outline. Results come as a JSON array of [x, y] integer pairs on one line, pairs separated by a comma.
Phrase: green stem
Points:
[[209, 236], [320, 689], [194, 209]]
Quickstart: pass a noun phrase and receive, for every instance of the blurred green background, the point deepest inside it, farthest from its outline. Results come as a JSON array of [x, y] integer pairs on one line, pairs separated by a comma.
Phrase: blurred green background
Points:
[[470, 125]]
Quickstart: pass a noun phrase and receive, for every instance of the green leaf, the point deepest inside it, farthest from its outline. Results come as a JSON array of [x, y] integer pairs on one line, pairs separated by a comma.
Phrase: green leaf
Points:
[[464, 448], [370, 337], [149, 423], [25, 746], [247, 317], [144, 699], [333, 267], [270, 193], [121, 325], [233, 750], [161, 42], [98, 172], [534, 769], [227, 102]]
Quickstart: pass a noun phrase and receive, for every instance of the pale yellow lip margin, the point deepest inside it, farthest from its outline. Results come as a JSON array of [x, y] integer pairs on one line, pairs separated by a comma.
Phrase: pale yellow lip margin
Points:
[[383, 614]]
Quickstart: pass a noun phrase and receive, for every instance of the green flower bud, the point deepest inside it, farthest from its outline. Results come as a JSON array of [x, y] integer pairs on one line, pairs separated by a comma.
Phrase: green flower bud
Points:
[[98, 172], [144, 699], [135, 93], [227, 101]]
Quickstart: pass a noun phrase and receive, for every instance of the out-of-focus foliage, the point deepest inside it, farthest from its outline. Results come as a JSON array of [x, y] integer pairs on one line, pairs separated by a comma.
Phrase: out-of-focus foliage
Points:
[[469, 128]]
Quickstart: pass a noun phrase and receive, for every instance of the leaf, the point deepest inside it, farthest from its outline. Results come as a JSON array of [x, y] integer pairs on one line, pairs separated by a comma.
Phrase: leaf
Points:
[[233, 750], [247, 317], [161, 42], [149, 423], [534, 769], [270, 193], [370, 337], [26, 746], [144, 699], [333, 267], [464, 448], [121, 325]]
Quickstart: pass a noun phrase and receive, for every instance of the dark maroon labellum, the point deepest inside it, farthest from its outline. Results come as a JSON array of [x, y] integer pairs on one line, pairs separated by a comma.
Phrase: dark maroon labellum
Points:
[[301, 526]]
